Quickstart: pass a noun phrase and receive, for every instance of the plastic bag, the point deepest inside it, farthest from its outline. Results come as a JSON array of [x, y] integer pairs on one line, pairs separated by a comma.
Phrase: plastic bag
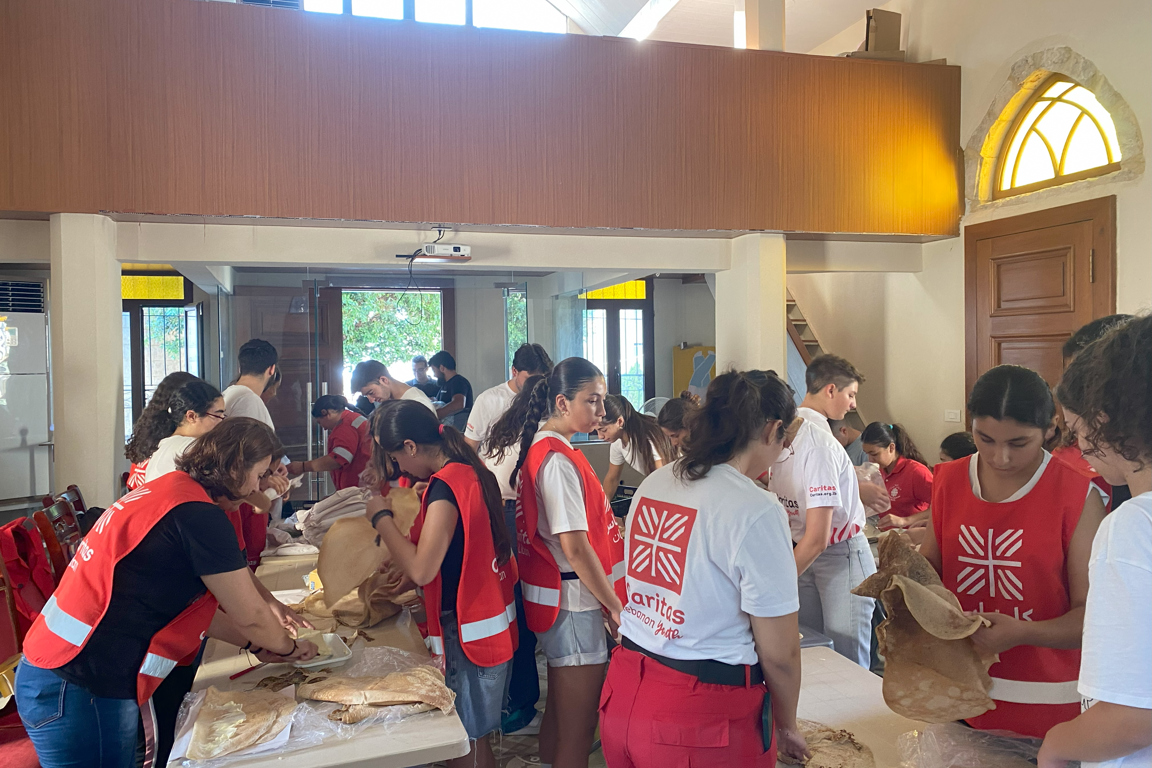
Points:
[[869, 473], [951, 745]]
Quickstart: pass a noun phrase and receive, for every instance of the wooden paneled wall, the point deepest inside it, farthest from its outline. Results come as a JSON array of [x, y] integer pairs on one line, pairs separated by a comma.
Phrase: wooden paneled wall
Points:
[[207, 108]]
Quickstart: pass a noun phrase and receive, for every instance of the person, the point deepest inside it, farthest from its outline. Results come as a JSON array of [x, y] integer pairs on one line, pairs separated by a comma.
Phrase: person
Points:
[[194, 410], [272, 388], [849, 437], [420, 378], [1107, 397], [957, 446], [635, 439], [152, 426], [675, 417], [461, 554], [349, 444], [371, 379], [709, 634], [906, 474], [489, 409], [455, 391], [1011, 535], [817, 485], [570, 555], [257, 359], [160, 570]]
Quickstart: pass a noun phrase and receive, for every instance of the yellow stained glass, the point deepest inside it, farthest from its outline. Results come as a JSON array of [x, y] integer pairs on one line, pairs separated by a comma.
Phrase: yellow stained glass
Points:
[[633, 289], [1064, 131], [152, 287]]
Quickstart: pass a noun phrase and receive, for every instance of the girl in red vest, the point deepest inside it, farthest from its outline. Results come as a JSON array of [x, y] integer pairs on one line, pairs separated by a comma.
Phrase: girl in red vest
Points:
[[1107, 396], [153, 425], [461, 554], [1012, 531], [349, 444], [570, 554], [138, 597], [906, 474]]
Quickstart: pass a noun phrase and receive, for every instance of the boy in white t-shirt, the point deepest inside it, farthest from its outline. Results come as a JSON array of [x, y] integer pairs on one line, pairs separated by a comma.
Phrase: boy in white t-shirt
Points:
[[258, 361], [1106, 394], [371, 379], [817, 485]]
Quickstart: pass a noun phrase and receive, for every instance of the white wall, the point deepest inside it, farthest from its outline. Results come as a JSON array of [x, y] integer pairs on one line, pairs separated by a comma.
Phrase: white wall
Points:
[[681, 313], [906, 331], [480, 333]]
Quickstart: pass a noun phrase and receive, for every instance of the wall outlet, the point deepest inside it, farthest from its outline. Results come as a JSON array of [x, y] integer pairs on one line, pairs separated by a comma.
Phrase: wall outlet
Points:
[[952, 416]]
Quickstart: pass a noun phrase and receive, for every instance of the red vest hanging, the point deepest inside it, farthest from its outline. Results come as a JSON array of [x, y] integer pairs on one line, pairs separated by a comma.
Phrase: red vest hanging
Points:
[[1011, 558], [81, 599], [539, 575], [31, 573], [485, 600]]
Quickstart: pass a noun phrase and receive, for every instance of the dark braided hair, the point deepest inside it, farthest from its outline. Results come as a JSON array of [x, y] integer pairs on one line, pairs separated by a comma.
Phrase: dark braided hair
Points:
[[155, 423], [509, 428], [567, 379]]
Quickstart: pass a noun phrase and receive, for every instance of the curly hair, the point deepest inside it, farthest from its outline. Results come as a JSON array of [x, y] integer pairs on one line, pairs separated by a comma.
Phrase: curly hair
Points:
[[1109, 386], [155, 423], [509, 428], [221, 460]]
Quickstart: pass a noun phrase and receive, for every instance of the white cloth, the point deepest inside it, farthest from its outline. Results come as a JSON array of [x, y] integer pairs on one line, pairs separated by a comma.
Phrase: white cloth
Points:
[[560, 499], [412, 393], [818, 475], [163, 460], [241, 401], [618, 456], [1116, 660], [490, 405], [315, 522], [814, 416], [974, 479], [702, 557]]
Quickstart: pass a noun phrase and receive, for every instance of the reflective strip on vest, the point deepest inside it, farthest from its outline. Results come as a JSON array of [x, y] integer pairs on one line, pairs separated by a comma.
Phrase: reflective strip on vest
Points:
[[435, 644], [68, 628], [494, 625], [618, 571], [157, 666], [343, 453], [540, 595], [356, 422], [1026, 692]]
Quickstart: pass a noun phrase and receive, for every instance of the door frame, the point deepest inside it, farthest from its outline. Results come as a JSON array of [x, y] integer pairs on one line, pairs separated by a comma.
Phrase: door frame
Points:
[[1100, 211], [647, 304]]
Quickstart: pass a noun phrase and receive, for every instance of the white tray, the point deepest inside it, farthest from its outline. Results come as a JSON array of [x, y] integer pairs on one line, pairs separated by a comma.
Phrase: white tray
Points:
[[340, 653]]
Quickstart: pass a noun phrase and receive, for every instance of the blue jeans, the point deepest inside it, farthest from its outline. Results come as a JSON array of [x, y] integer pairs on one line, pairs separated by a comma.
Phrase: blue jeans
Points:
[[524, 681], [71, 728], [827, 604]]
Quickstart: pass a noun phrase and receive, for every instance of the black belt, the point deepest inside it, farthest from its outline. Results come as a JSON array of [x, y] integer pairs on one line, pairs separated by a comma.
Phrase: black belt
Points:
[[705, 670], [569, 576]]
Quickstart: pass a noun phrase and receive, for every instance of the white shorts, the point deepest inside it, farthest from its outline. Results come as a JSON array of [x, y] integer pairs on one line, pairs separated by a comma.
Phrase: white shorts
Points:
[[577, 639]]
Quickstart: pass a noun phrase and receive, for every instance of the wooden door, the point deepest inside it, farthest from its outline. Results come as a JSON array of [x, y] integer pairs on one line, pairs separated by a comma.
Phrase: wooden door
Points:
[[1031, 281]]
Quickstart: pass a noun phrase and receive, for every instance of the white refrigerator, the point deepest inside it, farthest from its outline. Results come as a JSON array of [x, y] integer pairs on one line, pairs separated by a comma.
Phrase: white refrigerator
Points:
[[25, 447]]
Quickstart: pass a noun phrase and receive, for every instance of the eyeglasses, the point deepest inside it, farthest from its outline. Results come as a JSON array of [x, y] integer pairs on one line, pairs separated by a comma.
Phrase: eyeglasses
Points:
[[217, 416], [785, 456]]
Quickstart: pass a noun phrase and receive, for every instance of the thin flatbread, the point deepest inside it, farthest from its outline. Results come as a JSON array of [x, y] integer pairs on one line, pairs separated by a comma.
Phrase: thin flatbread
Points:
[[412, 686], [832, 748], [348, 555], [229, 721], [370, 604], [405, 507], [350, 714]]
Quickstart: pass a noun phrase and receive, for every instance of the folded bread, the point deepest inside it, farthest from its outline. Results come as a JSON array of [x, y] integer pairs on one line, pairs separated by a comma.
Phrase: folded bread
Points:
[[229, 721], [412, 686], [832, 748]]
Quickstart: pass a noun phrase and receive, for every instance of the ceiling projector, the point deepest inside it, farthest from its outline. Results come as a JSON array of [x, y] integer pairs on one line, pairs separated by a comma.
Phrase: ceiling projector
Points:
[[444, 253]]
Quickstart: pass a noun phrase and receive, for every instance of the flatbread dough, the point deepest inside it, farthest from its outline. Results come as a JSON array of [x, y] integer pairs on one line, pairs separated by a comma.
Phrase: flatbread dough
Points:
[[416, 685], [229, 721], [832, 748], [932, 670], [350, 714]]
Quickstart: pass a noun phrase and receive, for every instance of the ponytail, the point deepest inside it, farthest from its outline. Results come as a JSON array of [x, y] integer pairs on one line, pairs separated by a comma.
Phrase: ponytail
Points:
[[537, 408], [643, 432], [411, 420], [335, 403], [884, 435], [506, 432], [155, 422]]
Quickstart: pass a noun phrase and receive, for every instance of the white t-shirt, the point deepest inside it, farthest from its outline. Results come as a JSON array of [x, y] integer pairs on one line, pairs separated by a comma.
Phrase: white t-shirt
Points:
[[702, 557], [814, 416], [490, 405], [412, 393], [560, 499], [618, 456], [1116, 660], [163, 459], [818, 475], [241, 401]]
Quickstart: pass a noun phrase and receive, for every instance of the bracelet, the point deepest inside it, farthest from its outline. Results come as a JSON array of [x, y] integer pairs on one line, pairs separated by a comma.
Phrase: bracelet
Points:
[[382, 513], [247, 646]]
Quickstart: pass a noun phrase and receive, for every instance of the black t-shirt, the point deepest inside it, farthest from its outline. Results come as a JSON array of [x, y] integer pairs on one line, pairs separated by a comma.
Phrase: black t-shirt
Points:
[[453, 563], [151, 586], [457, 385], [430, 387]]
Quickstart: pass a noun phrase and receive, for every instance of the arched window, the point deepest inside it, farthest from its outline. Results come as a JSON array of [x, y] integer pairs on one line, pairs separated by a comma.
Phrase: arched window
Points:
[[1061, 134]]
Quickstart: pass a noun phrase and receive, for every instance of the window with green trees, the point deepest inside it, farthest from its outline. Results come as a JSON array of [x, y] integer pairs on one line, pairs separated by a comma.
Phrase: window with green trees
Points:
[[515, 322], [392, 327]]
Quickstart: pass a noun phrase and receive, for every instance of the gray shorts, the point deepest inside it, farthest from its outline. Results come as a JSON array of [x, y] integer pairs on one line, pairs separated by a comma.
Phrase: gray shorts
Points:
[[480, 691], [577, 639]]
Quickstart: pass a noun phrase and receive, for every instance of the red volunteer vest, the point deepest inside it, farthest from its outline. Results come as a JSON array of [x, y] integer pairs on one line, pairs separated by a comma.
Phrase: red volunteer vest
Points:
[[136, 475], [28, 567], [539, 574], [485, 601], [75, 610], [354, 453], [1011, 558], [253, 534]]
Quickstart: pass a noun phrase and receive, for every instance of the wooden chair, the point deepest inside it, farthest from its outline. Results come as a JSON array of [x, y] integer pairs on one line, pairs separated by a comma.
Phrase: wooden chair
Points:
[[73, 496], [61, 534]]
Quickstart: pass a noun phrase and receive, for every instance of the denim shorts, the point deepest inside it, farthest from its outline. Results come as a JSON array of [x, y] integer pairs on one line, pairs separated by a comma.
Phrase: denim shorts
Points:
[[577, 639], [480, 691]]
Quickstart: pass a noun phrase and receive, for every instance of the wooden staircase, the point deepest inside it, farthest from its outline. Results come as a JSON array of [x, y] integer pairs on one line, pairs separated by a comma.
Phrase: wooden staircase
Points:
[[808, 345]]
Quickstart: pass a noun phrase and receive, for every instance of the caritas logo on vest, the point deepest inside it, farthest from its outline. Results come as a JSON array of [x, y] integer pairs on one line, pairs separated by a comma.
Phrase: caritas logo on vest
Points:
[[657, 548]]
